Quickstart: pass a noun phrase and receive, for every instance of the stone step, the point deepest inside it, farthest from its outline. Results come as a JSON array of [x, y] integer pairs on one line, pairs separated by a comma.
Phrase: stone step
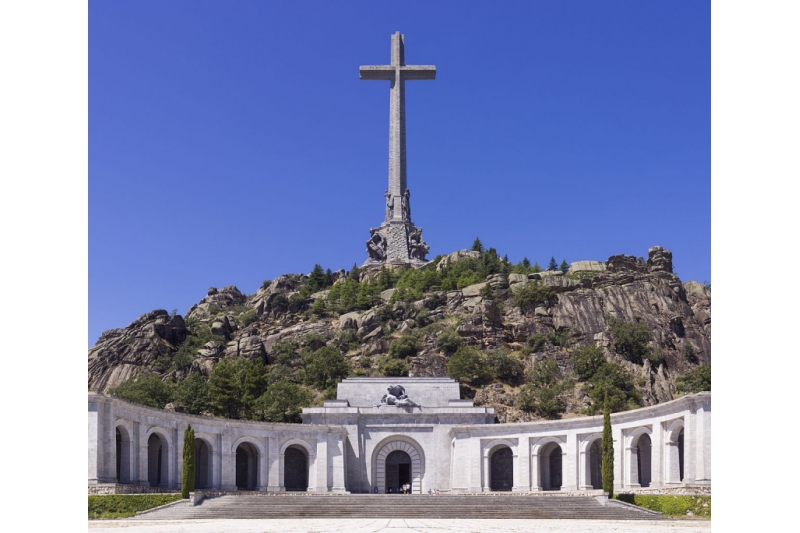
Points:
[[394, 506]]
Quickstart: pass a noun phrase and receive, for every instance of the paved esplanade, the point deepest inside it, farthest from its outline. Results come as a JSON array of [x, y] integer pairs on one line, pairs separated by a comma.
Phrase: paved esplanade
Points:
[[398, 525], [397, 239]]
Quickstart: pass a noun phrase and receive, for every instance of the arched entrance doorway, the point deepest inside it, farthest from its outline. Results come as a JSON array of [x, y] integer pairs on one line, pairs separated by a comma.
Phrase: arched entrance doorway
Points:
[[644, 450], [379, 462], [202, 462], [295, 469], [398, 470], [596, 464], [123, 455], [501, 469], [246, 466], [157, 461], [551, 466]]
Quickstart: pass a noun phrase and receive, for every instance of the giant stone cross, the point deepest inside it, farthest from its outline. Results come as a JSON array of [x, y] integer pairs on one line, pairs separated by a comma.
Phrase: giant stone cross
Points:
[[397, 240]]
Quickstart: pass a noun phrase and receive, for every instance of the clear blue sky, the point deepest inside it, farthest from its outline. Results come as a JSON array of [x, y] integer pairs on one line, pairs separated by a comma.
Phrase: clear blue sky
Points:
[[231, 142]]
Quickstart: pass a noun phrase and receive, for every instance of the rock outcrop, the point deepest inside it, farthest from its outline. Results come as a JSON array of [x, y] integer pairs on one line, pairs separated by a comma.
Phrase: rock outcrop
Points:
[[484, 315]]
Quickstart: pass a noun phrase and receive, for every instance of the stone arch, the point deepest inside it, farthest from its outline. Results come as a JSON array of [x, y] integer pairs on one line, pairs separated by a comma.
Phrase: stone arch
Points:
[[298, 474], [246, 465], [203, 462], [552, 465], [638, 447], [295, 468], [501, 469], [591, 454], [548, 461], [124, 452], [159, 451], [673, 454], [309, 449], [407, 445]]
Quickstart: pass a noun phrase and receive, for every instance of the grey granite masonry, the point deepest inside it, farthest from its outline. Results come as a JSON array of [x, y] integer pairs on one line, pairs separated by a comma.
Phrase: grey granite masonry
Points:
[[397, 240], [360, 443]]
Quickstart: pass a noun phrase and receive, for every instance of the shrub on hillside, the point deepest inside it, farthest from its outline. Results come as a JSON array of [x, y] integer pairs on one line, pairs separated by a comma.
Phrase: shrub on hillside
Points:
[[283, 401], [404, 347], [449, 341], [696, 380], [532, 294], [587, 361], [631, 339], [468, 366], [146, 390], [612, 380], [391, 367], [505, 366], [325, 367]]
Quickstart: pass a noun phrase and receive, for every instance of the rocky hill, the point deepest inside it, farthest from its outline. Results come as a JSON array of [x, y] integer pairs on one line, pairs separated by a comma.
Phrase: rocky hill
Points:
[[539, 339]]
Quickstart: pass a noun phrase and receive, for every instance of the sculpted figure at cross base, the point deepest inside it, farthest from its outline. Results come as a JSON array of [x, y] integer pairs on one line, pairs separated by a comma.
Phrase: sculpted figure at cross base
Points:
[[417, 248], [389, 206], [407, 206], [396, 395], [377, 244]]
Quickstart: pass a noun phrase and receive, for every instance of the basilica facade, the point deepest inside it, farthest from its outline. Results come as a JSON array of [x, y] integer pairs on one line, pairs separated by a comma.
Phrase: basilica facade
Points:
[[382, 433]]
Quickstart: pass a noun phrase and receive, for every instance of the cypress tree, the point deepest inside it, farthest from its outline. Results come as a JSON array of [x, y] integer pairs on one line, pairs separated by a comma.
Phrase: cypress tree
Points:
[[187, 479], [607, 445], [187, 483]]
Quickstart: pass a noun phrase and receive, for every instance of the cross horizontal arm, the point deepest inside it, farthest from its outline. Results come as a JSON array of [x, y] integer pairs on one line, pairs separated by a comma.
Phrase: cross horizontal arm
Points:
[[419, 72], [386, 72], [376, 73]]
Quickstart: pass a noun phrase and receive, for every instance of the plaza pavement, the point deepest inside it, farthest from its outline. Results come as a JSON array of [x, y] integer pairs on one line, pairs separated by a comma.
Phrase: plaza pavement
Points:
[[398, 525]]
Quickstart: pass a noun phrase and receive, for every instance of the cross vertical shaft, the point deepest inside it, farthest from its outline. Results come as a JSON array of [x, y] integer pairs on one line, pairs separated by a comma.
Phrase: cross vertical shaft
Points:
[[397, 240]]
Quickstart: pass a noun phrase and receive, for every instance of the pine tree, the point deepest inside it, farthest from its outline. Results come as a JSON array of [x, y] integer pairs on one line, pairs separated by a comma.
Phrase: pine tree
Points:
[[187, 481], [316, 280], [564, 267], [607, 445], [477, 246], [553, 265], [526, 262]]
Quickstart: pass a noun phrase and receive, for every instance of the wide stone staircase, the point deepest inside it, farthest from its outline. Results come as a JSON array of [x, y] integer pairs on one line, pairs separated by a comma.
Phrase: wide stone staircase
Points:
[[400, 506]]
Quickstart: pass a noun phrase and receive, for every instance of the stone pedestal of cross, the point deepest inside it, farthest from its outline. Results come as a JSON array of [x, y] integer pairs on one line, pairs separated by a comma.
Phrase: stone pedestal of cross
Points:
[[397, 240]]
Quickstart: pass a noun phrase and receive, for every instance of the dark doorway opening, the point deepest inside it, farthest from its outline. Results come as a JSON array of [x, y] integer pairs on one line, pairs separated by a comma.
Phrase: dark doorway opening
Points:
[[398, 470], [502, 469], [295, 469], [596, 464], [246, 467]]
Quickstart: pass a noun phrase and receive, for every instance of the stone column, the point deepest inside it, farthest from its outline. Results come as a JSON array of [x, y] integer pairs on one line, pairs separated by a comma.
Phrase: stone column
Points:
[[336, 450], [485, 473], [569, 463], [585, 466], [275, 483], [228, 456], [536, 476], [95, 446], [619, 458], [263, 466], [320, 467], [135, 454], [702, 473], [216, 463], [657, 456], [689, 446], [522, 469], [144, 478], [176, 462]]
